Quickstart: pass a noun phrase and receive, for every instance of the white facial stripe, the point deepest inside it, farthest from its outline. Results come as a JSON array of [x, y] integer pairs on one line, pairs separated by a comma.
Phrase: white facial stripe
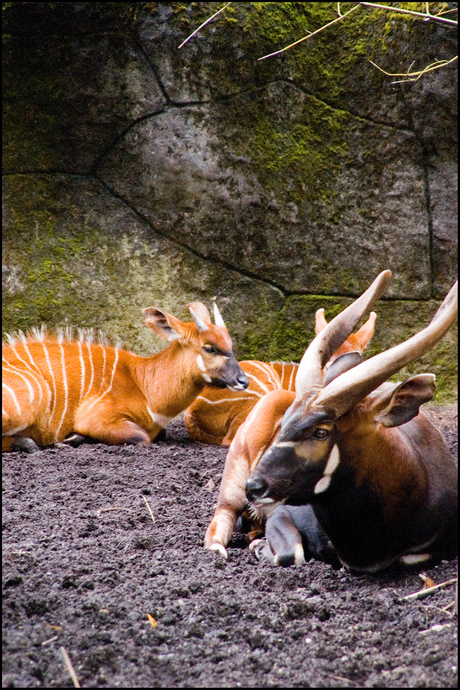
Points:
[[333, 462], [207, 378], [199, 361], [323, 484], [266, 500], [331, 466], [285, 444]]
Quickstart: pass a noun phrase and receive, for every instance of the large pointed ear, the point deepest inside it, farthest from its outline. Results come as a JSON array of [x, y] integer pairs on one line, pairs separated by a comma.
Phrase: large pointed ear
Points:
[[403, 402], [163, 324], [341, 364], [365, 333], [200, 315], [320, 321]]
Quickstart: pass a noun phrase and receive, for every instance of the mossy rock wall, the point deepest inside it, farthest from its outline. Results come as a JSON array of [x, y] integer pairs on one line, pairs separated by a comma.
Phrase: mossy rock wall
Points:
[[138, 174]]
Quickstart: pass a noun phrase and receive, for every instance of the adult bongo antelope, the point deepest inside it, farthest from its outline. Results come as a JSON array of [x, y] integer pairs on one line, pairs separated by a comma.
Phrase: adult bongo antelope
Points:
[[386, 487], [55, 386], [364, 471], [216, 415], [246, 448]]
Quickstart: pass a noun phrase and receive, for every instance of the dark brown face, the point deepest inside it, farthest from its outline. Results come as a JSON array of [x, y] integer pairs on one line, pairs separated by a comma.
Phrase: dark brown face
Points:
[[300, 463]]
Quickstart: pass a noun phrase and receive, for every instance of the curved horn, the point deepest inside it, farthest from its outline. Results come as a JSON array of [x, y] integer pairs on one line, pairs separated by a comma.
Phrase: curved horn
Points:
[[348, 389], [218, 320], [321, 349]]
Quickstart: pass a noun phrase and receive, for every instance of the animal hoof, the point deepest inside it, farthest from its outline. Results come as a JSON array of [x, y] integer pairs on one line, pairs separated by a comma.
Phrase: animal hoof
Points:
[[218, 548], [24, 445], [257, 547]]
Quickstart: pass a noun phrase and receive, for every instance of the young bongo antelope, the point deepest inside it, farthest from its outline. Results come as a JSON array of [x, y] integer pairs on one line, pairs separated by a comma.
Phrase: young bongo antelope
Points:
[[263, 421], [216, 415], [365, 472], [54, 386]]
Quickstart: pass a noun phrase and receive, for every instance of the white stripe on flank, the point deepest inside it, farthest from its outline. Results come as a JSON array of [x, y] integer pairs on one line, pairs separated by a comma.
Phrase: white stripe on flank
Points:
[[54, 382], [111, 381], [16, 372], [159, 419], [15, 400], [224, 400], [270, 373], [33, 369], [36, 370], [82, 362], [103, 366], [292, 378], [66, 391], [14, 431], [90, 356]]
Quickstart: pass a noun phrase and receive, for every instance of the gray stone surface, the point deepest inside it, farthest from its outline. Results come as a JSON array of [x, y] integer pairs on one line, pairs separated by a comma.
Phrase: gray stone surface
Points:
[[137, 173]]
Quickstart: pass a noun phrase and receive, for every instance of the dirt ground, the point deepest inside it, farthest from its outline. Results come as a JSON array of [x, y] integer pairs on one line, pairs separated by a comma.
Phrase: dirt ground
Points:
[[84, 566]]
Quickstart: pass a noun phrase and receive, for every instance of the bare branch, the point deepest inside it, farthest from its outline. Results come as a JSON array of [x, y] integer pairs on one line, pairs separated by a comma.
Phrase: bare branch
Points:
[[413, 76], [69, 666], [149, 509], [204, 24], [428, 590], [426, 15], [310, 35]]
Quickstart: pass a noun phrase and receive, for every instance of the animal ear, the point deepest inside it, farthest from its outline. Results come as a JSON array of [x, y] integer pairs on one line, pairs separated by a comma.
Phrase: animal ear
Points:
[[341, 364], [403, 402], [365, 333], [320, 321], [200, 315], [163, 324]]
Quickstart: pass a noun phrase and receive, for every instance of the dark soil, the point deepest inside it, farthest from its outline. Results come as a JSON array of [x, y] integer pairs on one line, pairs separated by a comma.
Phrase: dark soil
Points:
[[84, 565]]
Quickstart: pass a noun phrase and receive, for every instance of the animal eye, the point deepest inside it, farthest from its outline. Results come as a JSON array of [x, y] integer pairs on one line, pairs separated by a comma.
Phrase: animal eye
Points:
[[321, 433], [209, 349]]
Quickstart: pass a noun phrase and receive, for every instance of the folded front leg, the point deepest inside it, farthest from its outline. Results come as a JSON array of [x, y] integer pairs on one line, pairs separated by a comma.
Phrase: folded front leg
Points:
[[294, 535]]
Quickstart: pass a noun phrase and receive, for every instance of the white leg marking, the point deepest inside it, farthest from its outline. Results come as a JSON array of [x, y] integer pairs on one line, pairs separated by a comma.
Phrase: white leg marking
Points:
[[159, 419], [299, 556], [218, 548], [413, 558]]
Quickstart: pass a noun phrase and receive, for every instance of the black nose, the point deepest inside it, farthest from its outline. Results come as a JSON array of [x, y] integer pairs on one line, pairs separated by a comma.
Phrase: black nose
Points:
[[255, 488], [243, 380]]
